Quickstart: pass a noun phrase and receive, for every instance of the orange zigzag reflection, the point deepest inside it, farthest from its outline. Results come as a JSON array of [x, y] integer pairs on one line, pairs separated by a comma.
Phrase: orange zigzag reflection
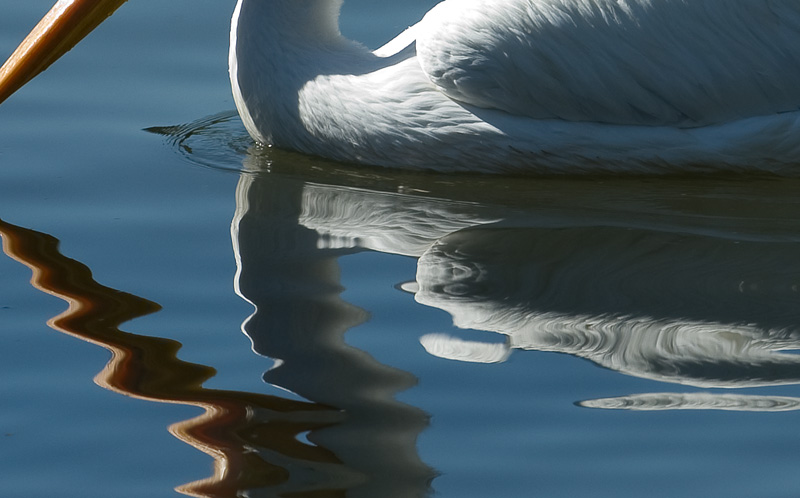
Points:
[[148, 368]]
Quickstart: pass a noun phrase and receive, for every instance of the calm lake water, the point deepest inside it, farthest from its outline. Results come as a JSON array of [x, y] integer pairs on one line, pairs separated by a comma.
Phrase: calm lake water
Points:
[[183, 313]]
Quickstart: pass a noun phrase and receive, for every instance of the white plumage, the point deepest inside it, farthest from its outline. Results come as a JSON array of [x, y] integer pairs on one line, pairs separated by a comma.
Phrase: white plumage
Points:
[[557, 86]]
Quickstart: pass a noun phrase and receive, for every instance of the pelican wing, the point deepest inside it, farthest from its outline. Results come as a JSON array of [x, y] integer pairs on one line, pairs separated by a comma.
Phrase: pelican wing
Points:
[[639, 62]]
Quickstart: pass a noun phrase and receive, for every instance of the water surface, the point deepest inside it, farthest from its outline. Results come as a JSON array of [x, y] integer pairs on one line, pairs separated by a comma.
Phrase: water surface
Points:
[[186, 314]]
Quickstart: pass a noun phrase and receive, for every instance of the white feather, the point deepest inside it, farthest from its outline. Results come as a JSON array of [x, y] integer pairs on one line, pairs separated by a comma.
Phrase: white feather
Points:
[[653, 63], [558, 86]]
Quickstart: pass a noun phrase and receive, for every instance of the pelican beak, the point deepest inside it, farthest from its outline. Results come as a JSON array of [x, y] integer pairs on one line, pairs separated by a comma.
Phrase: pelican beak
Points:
[[67, 23]]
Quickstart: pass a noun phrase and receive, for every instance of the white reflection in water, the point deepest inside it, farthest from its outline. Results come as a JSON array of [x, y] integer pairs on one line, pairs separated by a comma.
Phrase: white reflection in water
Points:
[[689, 309], [446, 346], [692, 282], [640, 287], [696, 401], [656, 297], [383, 221], [300, 321]]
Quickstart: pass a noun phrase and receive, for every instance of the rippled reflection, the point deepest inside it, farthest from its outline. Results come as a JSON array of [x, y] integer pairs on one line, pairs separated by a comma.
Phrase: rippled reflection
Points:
[[706, 311], [300, 321], [659, 297], [696, 401], [686, 281], [363, 440], [683, 281]]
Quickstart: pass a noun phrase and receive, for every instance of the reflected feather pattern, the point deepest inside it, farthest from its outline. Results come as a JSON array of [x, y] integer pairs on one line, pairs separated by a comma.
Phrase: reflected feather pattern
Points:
[[696, 401], [679, 308], [386, 222], [452, 348]]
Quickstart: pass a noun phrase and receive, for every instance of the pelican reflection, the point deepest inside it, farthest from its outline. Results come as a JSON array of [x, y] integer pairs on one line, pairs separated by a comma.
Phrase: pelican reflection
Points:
[[705, 311], [690, 282], [300, 321]]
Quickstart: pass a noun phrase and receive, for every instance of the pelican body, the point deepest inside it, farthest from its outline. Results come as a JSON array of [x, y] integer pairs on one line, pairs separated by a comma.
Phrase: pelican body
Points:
[[543, 86]]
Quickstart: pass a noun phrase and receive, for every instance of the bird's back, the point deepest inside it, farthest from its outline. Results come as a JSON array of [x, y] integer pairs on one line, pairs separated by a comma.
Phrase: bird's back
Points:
[[679, 63]]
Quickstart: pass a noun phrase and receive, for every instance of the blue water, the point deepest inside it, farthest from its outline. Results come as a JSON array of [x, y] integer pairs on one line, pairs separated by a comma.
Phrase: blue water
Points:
[[349, 331]]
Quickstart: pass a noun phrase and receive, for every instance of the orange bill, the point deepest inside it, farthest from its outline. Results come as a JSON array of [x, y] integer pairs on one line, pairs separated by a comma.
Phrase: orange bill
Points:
[[67, 23]]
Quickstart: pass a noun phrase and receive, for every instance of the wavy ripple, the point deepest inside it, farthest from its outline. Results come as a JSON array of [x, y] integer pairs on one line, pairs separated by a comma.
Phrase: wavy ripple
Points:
[[695, 401], [453, 348], [219, 141], [682, 308]]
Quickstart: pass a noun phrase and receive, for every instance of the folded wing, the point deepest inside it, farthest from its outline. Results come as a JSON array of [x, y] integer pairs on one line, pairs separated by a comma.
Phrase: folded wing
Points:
[[639, 62]]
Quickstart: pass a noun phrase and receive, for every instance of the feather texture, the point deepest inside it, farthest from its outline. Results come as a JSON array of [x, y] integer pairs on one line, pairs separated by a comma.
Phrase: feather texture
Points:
[[543, 86], [636, 62]]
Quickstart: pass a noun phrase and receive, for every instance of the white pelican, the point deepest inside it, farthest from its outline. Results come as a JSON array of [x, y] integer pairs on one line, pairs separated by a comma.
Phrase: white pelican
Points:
[[558, 86]]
